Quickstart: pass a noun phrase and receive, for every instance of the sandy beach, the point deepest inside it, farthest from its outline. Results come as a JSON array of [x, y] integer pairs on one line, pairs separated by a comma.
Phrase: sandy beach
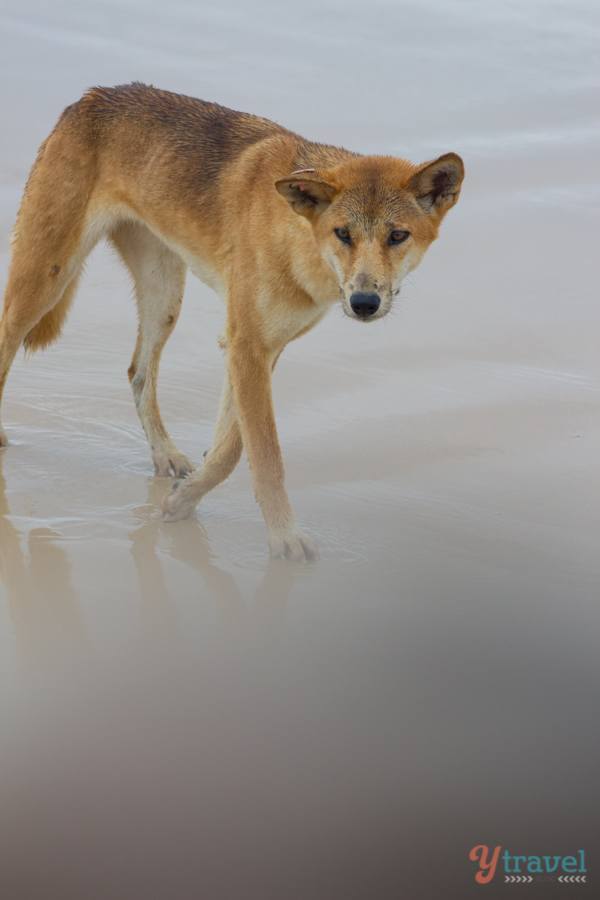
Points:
[[176, 709]]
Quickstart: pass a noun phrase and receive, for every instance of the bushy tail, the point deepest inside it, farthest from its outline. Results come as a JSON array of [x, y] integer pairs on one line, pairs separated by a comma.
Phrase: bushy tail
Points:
[[49, 328], [48, 231]]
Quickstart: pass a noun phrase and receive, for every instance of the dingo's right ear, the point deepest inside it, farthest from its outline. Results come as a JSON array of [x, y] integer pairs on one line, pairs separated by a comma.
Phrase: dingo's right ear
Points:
[[306, 194], [437, 184]]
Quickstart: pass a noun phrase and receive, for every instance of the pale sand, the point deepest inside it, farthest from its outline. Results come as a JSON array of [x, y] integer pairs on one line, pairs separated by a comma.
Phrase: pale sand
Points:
[[438, 667]]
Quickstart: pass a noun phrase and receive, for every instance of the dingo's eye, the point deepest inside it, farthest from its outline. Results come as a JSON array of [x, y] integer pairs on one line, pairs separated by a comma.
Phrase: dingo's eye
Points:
[[398, 237], [343, 234]]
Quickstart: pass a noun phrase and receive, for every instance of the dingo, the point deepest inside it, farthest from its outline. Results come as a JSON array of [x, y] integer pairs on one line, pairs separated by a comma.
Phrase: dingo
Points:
[[279, 226]]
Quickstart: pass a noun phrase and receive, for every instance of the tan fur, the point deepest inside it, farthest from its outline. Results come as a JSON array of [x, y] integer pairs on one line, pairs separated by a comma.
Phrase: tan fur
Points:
[[256, 212], [49, 328]]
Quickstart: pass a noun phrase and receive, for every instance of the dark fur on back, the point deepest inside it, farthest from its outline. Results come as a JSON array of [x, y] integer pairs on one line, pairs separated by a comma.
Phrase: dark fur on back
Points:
[[198, 128], [208, 134]]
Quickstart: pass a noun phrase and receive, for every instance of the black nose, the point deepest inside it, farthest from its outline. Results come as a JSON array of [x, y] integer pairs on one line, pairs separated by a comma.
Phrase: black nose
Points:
[[365, 305]]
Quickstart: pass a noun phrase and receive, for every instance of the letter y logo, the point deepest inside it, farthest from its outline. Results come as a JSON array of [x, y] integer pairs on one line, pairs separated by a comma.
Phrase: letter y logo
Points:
[[487, 864]]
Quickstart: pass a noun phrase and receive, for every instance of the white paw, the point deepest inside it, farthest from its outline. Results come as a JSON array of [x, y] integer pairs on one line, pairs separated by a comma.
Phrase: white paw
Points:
[[169, 461], [179, 503], [292, 544]]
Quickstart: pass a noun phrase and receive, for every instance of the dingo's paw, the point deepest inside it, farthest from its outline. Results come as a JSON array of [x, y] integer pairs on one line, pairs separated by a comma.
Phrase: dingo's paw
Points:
[[169, 461], [292, 544], [179, 503]]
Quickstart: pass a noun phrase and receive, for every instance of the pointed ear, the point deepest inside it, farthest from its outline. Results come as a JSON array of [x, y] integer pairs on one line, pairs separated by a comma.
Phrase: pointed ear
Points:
[[306, 193], [436, 185]]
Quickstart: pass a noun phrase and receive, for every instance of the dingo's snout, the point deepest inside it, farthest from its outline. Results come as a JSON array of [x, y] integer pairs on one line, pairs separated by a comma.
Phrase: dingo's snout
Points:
[[365, 305]]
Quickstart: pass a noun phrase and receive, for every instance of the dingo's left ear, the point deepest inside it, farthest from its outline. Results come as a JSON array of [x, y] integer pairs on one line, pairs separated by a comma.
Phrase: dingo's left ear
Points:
[[437, 184], [306, 193]]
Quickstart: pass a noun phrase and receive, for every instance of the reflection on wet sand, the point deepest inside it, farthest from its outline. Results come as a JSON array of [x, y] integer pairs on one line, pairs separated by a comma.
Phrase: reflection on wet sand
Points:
[[44, 604], [42, 601], [187, 542]]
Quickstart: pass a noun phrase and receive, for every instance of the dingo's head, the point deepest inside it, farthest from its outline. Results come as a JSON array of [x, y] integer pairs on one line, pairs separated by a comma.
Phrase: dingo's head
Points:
[[373, 218]]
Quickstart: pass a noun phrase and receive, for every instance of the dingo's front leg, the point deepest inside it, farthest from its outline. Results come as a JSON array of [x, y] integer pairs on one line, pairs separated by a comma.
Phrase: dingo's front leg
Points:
[[247, 414], [250, 367], [219, 463]]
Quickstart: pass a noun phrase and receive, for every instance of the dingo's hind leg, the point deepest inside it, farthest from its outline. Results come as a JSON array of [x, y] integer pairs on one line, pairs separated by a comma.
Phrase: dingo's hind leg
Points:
[[34, 310], [21, 318], [159, 279]]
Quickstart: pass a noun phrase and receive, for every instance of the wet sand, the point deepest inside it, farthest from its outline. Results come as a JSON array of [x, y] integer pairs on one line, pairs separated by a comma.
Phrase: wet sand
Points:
[[182, 717]]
